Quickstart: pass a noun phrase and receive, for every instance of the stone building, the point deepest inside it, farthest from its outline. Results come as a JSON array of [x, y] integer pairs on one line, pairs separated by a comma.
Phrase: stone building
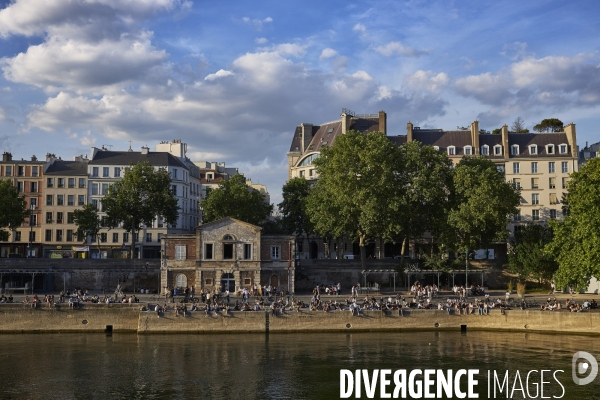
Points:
[[227, 254]]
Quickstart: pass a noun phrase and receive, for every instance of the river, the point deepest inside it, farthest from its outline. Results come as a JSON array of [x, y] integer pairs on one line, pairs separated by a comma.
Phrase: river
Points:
[[279, 366]]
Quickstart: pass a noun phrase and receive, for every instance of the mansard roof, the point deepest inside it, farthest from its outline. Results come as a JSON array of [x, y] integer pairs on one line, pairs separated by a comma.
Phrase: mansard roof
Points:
[[163, 159], [67, 168]]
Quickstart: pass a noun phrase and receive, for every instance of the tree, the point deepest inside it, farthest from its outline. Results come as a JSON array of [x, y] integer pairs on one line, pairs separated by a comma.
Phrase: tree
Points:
[[359, 190], [575, 243], [518, 126], [295, 218], [527, 257], [549, 125], [482, 206], [233, 198], [88, 223], [13, 209], [496, 131], [143, 195]]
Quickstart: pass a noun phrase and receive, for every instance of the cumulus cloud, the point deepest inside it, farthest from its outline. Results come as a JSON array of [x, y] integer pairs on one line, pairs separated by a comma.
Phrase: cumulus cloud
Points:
[[398, 48], [426, 81], [360, 28], [328, 53], [219, 74], [257, 23], [261, 40]]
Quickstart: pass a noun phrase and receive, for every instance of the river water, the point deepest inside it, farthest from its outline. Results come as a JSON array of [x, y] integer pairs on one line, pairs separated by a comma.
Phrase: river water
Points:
[[279, 366]]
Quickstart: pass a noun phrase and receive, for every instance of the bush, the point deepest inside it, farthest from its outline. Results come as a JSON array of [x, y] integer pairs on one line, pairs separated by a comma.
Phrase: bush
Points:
[[521, 288], [510, 286]]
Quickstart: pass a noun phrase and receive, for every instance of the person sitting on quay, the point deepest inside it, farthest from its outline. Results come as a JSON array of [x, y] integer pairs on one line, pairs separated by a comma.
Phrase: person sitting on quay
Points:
[[158, 310]]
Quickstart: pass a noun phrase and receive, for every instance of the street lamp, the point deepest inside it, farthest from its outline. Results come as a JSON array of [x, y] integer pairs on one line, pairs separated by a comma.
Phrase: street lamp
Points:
[[29, 249]]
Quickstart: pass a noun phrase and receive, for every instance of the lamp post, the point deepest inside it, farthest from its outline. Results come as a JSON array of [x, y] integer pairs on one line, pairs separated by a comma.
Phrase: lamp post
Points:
[[29, 248]]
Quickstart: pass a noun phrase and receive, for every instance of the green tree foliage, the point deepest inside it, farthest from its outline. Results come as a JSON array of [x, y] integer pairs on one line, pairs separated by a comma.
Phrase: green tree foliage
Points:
[[527, 257], [483, 204], [496, 131], [549, 125], [233, 198], [293, 208], [575, 245], [13, 208], [88, 223], [139, 198], [360, 187], [518, 126]]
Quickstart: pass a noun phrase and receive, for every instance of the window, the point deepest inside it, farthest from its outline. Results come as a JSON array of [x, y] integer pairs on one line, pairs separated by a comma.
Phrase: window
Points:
[[535, 215], [94, 171], [467, 150], [552, 183], [302, 173], [208, 251], [534, 168], [497, 150], [20, 187], [94, 188], [451, 150], [227, 251], [517, 183], [69, 235], [209, 177], [81, 183], [174, 190], [103, 237], [500, 168], [551, 167], [48, 235], [60, 199], [61, 182], [95, 203], [174, 173], [71, 183], [180, 252], [160, 222], [117, 172], [70, 218], [105, 172], [562, 149], [125, 237], [8, 171], [148, 237], [50, 182], [208, 281], [564, 183], [33, 203], [533, 149], [34, 170], [553, 214], [485, 150], [549, 149], [48, 217], [115, 238], [517, 216], [247, 251], [564, 167], [59, 235], [535, 198], [514, 150], [310, 172], [18, 236], [33, 187], [274, 252], [535, 183], [21, 171], [59, 217], [516, 168], [553, 199], [159, 237], [49, 199], [80, 200], [71, 200], [104, 188]]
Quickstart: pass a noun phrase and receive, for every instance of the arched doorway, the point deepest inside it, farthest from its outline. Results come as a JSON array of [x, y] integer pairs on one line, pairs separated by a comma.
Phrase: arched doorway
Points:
[[228, 282], [314, 250], [274, 281], [181, 281]]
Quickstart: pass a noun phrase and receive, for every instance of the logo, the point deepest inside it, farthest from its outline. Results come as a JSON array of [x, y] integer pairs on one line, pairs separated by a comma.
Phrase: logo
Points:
[[583, 362]]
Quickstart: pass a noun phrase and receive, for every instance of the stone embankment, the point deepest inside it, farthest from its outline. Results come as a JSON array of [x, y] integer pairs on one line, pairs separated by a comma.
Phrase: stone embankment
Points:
[[18, 318]]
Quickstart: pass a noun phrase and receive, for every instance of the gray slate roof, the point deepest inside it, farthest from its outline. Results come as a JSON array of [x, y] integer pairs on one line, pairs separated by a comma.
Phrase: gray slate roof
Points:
[[162, 159], [67, 168]]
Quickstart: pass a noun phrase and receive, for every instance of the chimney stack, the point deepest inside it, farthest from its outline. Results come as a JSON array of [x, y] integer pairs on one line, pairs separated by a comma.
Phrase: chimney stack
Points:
[[145, 150], [572, 138], [409, 132], [6, 156], [505, 148], [475, 137], [306, 132], [346, 120], [383, 122]]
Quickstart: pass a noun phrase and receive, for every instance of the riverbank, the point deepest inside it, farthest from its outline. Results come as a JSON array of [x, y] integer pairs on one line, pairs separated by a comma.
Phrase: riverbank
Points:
[[19, 318]]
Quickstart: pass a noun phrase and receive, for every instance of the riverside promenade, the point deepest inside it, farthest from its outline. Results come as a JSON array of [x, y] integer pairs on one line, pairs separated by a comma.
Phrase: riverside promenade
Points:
[[115, 317]]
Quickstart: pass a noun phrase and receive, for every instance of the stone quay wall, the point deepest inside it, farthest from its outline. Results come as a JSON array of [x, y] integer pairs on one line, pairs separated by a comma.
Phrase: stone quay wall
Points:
[[128, 318]]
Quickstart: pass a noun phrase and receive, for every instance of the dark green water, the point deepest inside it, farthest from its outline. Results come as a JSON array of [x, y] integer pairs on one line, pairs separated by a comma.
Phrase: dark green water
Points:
[[288, 366]]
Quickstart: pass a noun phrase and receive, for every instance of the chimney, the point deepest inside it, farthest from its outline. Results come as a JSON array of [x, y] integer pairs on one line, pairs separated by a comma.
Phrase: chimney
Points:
[[572, 138], [409, 132], [505, 147], [346, 120], [145, 150], [213, 166], [475, 137], [383, 122], [306, 132], [6, 156]]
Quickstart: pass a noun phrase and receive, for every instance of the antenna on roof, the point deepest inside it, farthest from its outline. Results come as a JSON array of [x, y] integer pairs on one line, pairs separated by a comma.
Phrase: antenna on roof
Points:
[[108, 145], [130, 141]]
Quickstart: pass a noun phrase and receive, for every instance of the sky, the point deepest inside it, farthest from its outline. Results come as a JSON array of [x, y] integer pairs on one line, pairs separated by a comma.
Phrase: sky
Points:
[[233, 79]]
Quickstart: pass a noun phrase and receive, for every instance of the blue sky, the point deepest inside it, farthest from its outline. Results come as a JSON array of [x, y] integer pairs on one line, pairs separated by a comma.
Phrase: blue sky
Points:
[[234, 78]]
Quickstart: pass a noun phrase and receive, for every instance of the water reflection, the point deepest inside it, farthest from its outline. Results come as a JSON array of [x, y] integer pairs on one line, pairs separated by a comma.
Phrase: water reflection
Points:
[[295, 366]]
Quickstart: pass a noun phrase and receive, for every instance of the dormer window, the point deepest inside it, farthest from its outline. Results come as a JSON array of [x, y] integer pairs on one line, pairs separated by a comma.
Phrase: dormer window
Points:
[[497, 150], [468, 150], [514, 150], [451, 150], [549, 149], [562, 149], [533, 149], [485, 150]]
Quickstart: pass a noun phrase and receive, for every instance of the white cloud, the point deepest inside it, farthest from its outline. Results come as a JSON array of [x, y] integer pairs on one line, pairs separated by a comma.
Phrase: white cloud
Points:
[[398, 48], [328, 53], [291, 49], [359, 28], [261, 40], [257, 23], [426, 81], [219, 74]]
